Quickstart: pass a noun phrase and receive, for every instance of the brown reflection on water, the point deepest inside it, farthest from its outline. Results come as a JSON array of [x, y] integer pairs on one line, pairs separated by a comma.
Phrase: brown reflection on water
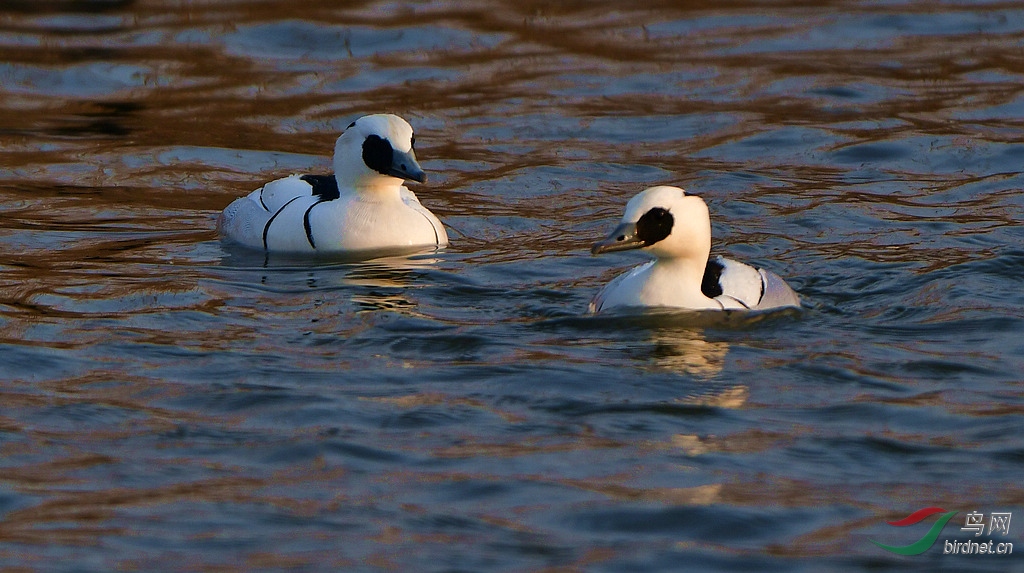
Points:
[[768, 490], [413, 401], [110, 387], [751, 441], [74, 508], [203, 94], [1003, 407], [55, 460]]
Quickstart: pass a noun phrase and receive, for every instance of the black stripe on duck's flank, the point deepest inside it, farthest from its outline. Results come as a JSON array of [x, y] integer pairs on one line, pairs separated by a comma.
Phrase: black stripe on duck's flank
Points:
[[266, 228], [711, 284], [437, 238], [265, 208], [654, 226], [378, 154], [307, 226], [324, 186], [764, 288]]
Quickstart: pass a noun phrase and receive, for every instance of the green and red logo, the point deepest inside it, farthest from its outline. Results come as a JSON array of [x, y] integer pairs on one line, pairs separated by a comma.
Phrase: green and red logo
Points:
[[925, 543]]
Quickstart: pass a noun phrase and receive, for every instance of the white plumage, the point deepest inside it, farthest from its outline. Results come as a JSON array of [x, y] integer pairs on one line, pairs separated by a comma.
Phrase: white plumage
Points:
[[362, 207], [676, 229]]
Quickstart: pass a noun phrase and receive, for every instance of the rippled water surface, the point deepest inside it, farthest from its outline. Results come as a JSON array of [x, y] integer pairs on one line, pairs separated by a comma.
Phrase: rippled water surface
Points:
[[169, 402]]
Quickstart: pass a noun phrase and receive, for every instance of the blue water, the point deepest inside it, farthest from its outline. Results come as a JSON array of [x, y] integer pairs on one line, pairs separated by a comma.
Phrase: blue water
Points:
[[168, 402]]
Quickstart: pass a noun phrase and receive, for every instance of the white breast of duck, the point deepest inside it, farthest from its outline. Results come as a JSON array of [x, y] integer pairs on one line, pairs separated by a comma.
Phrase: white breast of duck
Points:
[[676, 229], [363, 206]]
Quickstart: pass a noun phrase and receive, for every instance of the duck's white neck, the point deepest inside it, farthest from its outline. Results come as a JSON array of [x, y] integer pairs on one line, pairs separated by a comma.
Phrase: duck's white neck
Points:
[[379, 188], [688, 270]]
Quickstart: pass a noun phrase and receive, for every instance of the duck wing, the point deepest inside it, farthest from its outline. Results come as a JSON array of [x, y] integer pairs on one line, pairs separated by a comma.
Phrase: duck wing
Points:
[[246, 219], [278, 193], [739, 285]]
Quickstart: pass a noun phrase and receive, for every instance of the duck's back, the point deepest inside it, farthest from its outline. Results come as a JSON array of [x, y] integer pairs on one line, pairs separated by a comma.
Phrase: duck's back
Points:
[[777, 293], [247, 218], [738, 285]]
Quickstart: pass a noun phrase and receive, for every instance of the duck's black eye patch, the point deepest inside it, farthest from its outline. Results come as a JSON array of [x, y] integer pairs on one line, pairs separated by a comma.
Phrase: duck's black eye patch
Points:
[[412, 142], [654, 226], [378, 154]]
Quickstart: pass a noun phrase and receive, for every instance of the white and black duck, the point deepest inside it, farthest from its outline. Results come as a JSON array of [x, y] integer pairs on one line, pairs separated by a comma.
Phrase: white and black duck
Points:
[[676, 229], [363, 207]]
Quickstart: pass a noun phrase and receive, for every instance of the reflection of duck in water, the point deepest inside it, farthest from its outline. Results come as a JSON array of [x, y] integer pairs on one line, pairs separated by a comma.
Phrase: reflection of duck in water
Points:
[[688, 351], [362, 208], [381, 284], [676, 228]]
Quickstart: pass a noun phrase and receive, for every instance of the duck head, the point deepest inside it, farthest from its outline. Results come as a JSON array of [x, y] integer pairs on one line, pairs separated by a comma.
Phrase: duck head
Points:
[[664, 221], [377, 150]]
